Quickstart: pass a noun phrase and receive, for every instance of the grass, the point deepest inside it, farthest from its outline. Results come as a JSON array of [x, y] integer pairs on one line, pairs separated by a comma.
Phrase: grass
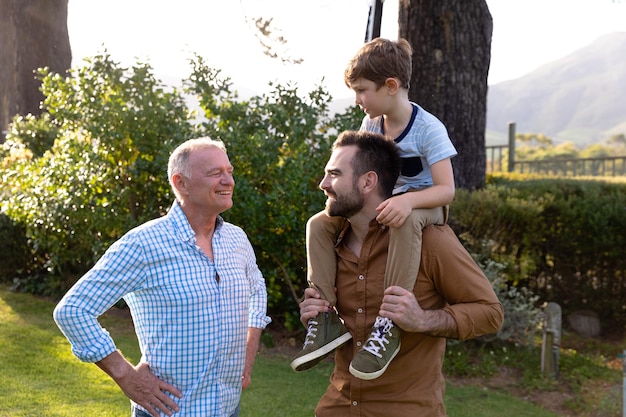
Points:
[[41, 377]]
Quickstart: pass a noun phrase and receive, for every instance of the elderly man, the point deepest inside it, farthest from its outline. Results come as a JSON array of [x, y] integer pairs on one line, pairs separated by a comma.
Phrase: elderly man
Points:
[[197, 297]]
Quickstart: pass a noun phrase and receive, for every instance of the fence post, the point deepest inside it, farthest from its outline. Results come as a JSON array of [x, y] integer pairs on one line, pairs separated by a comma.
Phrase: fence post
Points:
[[551, 340], [511, 166], [624, 383]]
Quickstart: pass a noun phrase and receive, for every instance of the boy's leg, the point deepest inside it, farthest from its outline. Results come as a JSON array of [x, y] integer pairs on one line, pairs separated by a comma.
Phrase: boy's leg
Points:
[[405, 247], [403, 261], [326, 331], [321, 235]]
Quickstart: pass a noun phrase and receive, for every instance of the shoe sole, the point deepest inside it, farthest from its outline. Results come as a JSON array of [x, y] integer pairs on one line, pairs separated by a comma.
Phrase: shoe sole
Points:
[[320, 353], [373, 375]]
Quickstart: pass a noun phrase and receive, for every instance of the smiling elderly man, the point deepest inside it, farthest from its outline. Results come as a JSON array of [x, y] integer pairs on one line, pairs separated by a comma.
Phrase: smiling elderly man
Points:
[[197, 297]]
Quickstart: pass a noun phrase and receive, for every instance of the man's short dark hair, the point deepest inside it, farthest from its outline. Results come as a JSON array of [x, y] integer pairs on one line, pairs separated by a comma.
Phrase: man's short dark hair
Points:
[[375, 153]]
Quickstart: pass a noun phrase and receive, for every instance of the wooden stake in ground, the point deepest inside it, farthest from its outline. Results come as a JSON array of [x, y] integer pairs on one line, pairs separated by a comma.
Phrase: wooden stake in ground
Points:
[[551, 340]]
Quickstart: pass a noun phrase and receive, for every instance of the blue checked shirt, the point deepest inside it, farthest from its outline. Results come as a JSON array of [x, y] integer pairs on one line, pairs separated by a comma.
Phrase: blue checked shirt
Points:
[[191, 328]]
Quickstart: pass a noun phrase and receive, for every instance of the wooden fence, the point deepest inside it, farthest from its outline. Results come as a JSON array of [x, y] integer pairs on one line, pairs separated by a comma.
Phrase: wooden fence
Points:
[[606, 166]]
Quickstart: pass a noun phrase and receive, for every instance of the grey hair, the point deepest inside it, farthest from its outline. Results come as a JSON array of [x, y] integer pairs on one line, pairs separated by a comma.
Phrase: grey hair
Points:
[[179, 159]]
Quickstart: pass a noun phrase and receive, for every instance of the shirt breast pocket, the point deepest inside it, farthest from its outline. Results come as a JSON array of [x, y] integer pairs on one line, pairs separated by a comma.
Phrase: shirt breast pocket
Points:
[[411, 166]]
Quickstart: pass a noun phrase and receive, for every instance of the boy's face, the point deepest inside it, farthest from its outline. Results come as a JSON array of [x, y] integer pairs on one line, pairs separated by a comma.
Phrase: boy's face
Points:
[[371, 98]]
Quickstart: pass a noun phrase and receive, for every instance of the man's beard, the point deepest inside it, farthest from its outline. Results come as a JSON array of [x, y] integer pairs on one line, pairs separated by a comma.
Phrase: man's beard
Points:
[[345, 206]]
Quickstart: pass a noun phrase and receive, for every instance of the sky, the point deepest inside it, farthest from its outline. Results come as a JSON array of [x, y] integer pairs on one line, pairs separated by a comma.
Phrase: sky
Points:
[[325, 34]]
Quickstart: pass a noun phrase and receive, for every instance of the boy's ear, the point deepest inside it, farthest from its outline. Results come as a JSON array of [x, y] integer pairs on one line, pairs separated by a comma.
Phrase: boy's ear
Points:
[[392, 85]]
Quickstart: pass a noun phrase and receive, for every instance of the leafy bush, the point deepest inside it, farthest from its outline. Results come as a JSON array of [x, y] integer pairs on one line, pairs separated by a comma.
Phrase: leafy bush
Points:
[[15, 252], [36, 133], [278, 143], [522, 317], [563, 239], [105, 173]]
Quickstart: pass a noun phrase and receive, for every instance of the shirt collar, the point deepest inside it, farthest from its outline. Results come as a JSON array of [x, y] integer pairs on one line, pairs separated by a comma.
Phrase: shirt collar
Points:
[[181, 224], [373, 227]]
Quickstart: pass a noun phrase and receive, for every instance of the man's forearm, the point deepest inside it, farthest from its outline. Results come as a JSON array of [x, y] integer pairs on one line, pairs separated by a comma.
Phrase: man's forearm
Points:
[[140, 384], [115, 365], [402, 307], [252, 347], [439, 323]]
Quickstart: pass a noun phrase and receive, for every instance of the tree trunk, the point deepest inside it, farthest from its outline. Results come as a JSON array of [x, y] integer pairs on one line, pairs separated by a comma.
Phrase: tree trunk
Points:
[[451, 42], [33, 34]]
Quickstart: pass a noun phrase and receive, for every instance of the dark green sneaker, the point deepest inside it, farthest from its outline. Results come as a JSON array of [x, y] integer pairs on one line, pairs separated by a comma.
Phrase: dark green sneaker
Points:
[[376, 354], [325, 333]]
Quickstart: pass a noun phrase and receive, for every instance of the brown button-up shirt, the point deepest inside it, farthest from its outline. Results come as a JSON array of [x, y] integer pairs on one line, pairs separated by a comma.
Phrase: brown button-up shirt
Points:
[[413, 384]]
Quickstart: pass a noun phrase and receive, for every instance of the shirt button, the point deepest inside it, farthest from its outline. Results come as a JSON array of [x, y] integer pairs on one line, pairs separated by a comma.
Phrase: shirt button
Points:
[[354, 403], [360, 310], [358, 343], [361, 277]]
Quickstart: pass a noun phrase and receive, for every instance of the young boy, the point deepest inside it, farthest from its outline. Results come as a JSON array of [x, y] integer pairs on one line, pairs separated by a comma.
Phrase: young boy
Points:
[[379, 75]]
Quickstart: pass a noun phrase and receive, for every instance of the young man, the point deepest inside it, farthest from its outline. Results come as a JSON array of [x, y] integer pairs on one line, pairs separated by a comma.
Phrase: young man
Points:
[[451, 298], [379, 75], [197, 297]]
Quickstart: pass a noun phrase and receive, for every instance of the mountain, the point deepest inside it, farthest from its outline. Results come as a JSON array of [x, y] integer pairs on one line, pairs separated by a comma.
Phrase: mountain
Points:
[[580, 98]]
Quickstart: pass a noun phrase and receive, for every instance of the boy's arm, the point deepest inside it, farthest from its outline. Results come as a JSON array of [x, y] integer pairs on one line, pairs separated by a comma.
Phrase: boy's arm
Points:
[[395, 210], [442, 191]]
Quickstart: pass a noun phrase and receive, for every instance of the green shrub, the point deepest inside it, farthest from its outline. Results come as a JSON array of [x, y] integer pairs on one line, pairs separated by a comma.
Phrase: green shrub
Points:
[[278, 143], [563, 239], [36, 133], [106, 170], [522, 316], [15, 251], [104, 174]]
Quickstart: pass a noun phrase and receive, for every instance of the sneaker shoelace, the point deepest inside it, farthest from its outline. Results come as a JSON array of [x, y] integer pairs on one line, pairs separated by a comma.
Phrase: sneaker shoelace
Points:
[[378, 339], [310, 333]]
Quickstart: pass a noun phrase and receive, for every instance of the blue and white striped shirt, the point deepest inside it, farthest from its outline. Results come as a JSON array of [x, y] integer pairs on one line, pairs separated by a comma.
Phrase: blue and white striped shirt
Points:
[[423, 142], [191, 328]]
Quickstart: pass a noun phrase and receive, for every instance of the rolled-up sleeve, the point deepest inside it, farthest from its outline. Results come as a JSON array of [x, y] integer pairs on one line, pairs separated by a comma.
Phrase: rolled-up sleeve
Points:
[[78, 311], [258, 293], [469, 296]]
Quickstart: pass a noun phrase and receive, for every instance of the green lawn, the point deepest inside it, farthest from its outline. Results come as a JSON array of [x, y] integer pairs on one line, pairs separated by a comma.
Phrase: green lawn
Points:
[[39, 375]]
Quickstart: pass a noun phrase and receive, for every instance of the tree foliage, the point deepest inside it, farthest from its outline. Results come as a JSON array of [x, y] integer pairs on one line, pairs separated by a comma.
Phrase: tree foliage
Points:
[[113, 130], [561, 238], [278, 143], [93, 165]]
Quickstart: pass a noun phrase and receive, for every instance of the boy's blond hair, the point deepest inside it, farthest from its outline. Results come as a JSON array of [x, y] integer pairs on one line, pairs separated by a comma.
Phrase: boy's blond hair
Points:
[[380, 59]]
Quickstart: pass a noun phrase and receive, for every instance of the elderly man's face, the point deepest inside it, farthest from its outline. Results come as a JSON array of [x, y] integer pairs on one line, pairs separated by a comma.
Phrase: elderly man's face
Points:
[[211, 184], [340, 185]]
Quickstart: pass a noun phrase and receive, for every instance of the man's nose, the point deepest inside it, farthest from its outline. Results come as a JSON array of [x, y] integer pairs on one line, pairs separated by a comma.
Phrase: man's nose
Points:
[[323, 183], [228, 178]]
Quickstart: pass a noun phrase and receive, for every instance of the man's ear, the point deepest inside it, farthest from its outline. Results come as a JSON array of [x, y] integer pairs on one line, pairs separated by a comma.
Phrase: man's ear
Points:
[[369, 181], [180, 183]]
